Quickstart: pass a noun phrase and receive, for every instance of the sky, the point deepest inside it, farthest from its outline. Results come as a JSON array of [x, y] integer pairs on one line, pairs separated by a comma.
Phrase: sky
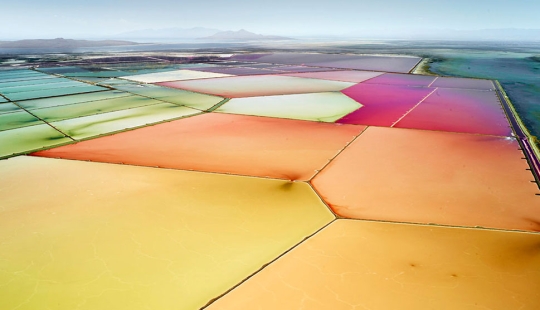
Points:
[[34, 19]]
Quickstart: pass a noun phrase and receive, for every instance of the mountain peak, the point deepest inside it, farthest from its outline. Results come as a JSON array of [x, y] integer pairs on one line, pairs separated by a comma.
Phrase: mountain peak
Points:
[[242, 35], [168, 33]]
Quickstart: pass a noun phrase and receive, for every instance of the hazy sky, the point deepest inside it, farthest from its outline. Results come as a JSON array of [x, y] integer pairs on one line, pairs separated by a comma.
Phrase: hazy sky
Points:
[[100, 18]]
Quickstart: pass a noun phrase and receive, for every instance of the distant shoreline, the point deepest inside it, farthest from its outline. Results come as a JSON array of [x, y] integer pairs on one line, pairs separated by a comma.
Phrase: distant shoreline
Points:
[[61, 43]]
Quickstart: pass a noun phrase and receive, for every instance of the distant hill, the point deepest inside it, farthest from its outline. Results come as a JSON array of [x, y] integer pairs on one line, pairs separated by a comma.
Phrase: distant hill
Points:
[[168, 33], [198, 33], [62, 43], [241, 35]]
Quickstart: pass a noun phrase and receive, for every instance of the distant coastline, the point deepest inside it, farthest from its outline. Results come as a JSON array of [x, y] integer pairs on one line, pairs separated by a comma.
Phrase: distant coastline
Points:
[[59, 43]]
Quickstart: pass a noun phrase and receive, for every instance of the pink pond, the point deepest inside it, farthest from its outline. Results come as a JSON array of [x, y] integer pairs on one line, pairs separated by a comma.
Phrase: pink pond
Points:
[[459, 110], [447, 82], [383, 105], [402, 79]]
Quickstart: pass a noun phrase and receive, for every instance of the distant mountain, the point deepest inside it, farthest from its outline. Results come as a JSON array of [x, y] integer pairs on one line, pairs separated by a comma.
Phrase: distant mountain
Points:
[[168, 33], [62, 43], [241, 35]]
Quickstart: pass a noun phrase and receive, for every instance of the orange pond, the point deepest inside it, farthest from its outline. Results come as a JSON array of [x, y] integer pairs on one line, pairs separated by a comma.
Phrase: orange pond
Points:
[[368, 265], [237, 144], [408, 175], [80, 235]]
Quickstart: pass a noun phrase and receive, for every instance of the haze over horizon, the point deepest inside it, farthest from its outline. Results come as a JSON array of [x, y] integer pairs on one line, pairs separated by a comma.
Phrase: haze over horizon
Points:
[[33, 19]]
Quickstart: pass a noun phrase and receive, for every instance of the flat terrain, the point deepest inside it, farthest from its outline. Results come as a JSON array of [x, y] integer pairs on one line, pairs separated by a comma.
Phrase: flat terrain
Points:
[[262, 181]]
